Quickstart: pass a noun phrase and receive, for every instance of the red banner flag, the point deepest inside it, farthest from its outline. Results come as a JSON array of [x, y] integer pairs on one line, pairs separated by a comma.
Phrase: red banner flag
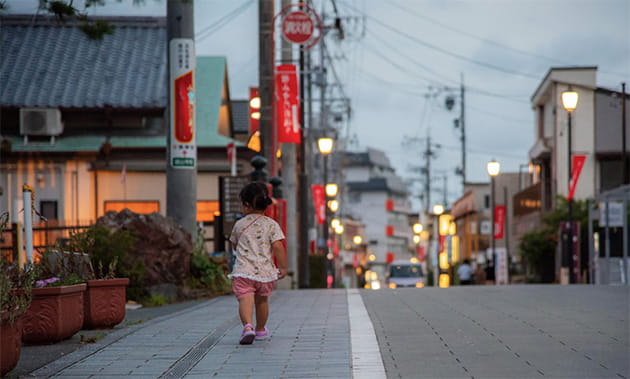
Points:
[[319, 201], [577, 163], [287, 104], [499, 221]]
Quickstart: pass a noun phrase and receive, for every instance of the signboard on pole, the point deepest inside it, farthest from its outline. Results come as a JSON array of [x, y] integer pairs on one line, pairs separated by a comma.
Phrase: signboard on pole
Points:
[[183, 148], [319, 201], [499, 221], [577, 163], [297, 27], [287, 104], [300, 26], [501, 269]]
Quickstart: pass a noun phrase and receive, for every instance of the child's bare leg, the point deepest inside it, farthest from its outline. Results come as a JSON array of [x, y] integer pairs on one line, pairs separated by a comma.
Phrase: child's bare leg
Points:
[[245, 309], [262, 312]]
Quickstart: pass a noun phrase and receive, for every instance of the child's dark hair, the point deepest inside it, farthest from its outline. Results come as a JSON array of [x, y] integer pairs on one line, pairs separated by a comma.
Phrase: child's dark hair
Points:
[[255, 195]]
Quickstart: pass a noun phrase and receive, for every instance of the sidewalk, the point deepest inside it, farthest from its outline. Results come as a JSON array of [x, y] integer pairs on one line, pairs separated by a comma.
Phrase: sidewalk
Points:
[[309, 338]]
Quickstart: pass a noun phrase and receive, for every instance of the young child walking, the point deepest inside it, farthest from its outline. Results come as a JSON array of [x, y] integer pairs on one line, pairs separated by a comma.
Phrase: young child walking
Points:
[[255, 239]]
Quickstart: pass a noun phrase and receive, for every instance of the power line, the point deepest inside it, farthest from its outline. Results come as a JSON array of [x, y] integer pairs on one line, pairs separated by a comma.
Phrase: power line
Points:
[[442, 50], [472, 89], [491, 42], [218, 24]]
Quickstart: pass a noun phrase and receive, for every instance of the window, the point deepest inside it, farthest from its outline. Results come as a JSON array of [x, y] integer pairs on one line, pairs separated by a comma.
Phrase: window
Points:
[[486, 201], [142, 207], [206, 210], [48, 209]]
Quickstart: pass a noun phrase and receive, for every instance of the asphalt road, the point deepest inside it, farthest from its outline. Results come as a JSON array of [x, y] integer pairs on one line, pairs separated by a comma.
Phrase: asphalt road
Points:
[[502, 331]]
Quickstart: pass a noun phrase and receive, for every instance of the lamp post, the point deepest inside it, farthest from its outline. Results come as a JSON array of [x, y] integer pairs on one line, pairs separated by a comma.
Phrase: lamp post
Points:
[[438, 209], [325, 146], [493, 170], [569, 102]]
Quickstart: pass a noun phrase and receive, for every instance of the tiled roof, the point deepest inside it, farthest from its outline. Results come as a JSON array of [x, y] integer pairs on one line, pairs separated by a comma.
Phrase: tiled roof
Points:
[[48, 64]]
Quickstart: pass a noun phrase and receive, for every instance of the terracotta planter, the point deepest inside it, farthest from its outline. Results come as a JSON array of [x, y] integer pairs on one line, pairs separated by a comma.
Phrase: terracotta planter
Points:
[[10, 343], [56, 313], [104, 303]]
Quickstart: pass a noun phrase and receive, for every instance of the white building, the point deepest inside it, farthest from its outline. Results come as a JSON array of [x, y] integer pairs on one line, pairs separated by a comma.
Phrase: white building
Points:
[[376, 196], [596, 133]]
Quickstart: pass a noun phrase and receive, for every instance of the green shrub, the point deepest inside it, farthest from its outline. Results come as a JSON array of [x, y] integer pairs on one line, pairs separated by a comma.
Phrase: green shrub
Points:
[[110, 254], [155, 300], [209, 274]]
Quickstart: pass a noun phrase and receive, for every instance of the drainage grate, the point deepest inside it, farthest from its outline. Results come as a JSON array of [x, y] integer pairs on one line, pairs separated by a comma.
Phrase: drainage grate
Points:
[[197, 352]]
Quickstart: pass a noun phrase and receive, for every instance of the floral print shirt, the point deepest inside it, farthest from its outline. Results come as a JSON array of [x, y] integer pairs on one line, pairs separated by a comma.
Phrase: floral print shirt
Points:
[[253, 236]]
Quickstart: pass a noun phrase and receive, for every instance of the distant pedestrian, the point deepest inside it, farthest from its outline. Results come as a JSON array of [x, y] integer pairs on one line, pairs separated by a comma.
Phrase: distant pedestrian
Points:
[[255, 239], [465, 273]]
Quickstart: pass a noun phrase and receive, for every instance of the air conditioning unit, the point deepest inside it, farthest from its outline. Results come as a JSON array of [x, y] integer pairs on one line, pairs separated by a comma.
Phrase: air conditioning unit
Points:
[[40, 122]]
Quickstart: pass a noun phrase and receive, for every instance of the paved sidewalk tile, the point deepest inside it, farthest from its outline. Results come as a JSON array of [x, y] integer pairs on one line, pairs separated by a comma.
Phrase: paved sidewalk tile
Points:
[[306, 328]]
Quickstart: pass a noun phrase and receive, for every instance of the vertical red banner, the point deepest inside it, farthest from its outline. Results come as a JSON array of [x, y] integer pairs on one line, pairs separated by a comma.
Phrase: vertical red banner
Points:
[[319, 201], [499, 221], [287, 104], [577, 163], [421, 253]]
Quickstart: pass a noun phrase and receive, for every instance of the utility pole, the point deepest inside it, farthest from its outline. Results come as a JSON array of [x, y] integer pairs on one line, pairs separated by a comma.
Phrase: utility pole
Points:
[[181, 150], [303, 256], [289, 174], [428, 154], [462, 122], [624, 151], [265, 81]]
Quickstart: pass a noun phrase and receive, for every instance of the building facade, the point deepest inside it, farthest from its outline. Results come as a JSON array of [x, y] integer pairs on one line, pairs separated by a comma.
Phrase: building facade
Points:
[[83, 121], [378, 198]]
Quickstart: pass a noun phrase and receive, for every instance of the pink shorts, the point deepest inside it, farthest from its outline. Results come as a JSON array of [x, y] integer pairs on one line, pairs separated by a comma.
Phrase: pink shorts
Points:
[[243, 287]]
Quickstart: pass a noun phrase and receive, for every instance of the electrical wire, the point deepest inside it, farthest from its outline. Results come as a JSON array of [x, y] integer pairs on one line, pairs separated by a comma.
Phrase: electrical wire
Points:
[[219, 23], [442, 50]]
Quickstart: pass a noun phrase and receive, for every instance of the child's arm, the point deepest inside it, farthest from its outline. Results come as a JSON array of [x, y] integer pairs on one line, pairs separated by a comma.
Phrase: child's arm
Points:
[[281, 257]]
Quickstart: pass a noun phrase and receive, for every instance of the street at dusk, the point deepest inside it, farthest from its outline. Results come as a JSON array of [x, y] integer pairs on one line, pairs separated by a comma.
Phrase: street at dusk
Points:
[[317, 188]]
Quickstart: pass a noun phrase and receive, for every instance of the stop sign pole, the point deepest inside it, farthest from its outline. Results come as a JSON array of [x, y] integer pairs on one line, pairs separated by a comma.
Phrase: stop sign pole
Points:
[[300, 25]]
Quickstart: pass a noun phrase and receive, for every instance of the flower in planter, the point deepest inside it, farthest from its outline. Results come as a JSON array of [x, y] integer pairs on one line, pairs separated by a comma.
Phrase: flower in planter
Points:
[[48, 282]]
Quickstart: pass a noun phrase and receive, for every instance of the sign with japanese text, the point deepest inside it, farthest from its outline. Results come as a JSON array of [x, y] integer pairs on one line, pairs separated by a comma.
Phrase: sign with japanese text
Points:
[[287, 104], [319, 202], [501, 268], [231, 155], [576, 163], [499, 221], [183, 148], [298, 27]]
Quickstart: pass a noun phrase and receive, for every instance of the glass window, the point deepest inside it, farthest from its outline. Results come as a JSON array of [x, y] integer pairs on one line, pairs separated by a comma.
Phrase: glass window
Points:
[[206, 210], [405, 271], [142, 207]]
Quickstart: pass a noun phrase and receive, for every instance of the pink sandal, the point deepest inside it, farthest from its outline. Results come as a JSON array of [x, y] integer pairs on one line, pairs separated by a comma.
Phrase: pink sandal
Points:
[[247, 335], [262, 334]]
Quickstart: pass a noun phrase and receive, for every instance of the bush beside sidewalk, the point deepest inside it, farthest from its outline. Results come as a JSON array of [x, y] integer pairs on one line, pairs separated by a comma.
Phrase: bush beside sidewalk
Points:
[[35, 356]]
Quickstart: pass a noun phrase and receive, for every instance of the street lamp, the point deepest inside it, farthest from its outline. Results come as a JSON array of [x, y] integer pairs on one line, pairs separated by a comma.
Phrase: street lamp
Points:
[[325, 146], [569, 102], [493, 170], [417, 228], [331, 189]]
